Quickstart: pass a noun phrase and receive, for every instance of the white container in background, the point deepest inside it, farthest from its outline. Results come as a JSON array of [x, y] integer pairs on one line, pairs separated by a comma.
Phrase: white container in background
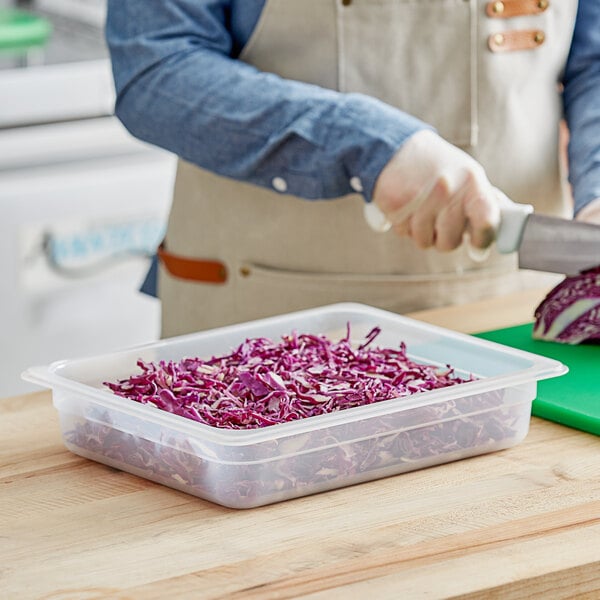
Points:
[[83, 203], [83, 207]]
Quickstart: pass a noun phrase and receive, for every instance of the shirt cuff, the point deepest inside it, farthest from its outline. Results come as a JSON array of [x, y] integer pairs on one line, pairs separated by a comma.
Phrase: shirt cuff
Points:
[[380, 131]]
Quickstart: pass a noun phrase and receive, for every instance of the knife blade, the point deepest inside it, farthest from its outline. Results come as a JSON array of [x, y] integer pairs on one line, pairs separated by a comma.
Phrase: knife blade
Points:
[[548, 243]]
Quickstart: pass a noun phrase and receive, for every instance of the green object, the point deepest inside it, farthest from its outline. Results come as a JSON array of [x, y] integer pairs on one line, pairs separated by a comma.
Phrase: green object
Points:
[[572, 399], [20, 30]]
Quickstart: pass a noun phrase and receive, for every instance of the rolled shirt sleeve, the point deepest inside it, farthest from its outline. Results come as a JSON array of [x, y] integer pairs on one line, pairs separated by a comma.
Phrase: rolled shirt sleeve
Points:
[[582, 105], [181, 87]]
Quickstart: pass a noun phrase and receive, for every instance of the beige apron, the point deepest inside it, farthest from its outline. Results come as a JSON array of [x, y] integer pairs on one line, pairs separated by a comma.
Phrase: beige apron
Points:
[[431, 58]]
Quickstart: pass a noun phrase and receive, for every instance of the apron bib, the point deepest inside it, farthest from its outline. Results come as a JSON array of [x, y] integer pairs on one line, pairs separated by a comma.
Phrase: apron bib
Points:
[[440, 60]]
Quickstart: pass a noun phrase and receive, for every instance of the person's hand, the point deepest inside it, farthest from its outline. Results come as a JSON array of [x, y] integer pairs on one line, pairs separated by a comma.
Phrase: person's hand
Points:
[[590, 213], [435, 193]]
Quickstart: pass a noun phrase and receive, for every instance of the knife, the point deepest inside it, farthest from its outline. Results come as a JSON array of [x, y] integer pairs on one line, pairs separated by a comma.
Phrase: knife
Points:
[[547, 243], [543, 243]]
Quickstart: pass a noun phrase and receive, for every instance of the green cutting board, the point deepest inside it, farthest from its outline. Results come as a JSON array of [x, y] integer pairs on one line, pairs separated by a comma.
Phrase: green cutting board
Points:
[[572, 399]]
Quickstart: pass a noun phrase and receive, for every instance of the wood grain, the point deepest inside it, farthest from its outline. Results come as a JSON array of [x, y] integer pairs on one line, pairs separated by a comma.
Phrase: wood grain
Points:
[[521, 523], [498, 312]]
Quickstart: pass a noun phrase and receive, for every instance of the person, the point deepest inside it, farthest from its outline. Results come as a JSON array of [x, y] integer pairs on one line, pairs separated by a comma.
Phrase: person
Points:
[[290, 116]]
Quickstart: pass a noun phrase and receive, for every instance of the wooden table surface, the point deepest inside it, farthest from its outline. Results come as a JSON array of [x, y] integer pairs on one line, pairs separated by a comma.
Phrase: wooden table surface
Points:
[[519, 523]]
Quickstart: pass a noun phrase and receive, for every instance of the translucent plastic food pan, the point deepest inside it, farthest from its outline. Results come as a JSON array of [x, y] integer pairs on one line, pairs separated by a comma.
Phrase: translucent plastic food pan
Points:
[[248, 468]]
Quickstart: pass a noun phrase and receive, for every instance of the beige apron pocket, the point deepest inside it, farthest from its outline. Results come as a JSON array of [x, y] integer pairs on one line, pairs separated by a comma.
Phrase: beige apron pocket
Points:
[[263, 291], [417, 55], [190, 306]]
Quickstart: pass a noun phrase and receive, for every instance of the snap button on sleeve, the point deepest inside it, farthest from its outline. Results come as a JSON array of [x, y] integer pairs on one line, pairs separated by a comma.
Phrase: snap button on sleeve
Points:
[[356, 184], [280, 184], [346, 2]]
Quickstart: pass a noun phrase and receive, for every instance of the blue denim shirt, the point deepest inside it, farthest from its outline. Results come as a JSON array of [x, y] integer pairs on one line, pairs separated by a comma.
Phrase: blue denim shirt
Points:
[[180, 87]]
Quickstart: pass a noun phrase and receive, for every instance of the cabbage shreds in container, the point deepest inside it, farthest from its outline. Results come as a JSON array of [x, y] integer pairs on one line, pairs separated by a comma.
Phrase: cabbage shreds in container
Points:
[[263, 383], [570, 313]]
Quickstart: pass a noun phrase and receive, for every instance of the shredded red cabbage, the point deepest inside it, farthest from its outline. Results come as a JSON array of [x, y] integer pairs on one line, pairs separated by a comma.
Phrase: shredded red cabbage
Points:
[[570, 313], [262, 383], [281, 468]]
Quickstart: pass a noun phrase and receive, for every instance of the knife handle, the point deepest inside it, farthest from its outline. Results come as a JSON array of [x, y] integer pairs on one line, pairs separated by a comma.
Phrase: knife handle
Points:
[[513, 217], [375, 219]]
